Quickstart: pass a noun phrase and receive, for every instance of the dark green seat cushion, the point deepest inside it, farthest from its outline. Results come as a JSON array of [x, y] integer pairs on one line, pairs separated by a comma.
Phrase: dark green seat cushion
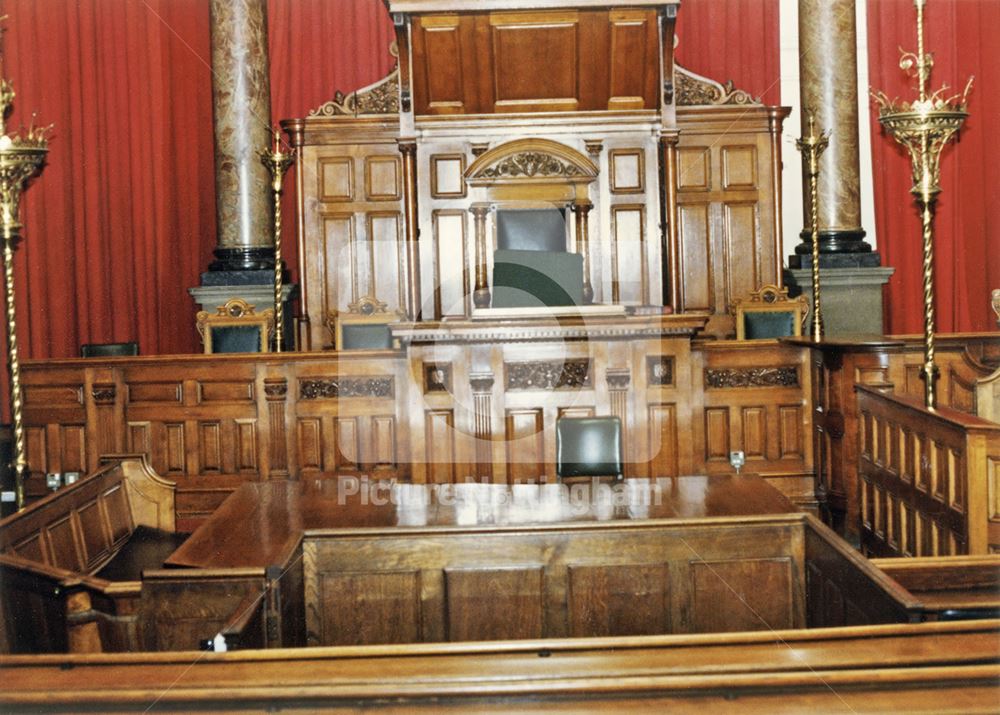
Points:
[[365, 336], [769, 324], [235, 338], [530, 279], [588, 447]]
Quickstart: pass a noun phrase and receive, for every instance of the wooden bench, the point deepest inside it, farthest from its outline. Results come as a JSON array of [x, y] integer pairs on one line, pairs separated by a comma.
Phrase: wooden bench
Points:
[[949, 587], [71, 563]]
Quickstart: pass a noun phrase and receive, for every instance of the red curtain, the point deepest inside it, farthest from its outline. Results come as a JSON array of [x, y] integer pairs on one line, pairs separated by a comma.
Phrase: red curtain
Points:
[[964, 39], [316, 48], [732, 39], [122, 219]]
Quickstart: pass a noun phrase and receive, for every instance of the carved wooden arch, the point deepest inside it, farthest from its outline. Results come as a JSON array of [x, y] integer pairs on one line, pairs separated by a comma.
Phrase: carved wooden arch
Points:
[[533, 168]]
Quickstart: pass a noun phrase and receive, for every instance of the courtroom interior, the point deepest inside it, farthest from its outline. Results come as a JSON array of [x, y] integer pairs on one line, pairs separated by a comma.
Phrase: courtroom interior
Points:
[[508, 355]]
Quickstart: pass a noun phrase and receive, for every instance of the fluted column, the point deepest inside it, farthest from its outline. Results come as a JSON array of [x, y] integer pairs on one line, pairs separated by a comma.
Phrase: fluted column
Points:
[[582, 210], [828, 74], [241, 101]]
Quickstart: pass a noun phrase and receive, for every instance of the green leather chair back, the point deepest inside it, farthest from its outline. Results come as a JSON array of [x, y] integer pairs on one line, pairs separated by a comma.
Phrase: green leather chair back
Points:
[[366, 336], [770, 324], [90, 350], [588, 447]]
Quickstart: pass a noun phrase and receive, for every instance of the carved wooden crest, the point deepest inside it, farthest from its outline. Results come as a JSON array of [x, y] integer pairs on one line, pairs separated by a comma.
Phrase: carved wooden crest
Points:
[[531, 160], [692, 89]]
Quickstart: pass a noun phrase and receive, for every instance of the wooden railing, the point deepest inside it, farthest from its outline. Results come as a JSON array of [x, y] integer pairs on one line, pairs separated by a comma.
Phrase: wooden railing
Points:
[[934, 667], [928, 479]]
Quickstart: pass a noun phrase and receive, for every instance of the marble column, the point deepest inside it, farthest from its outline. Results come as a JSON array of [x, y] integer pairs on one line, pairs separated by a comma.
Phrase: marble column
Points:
[[828, 74], [241, 99]]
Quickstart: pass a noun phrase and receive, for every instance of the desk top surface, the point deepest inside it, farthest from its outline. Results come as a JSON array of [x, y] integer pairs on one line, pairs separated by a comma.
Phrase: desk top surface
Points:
[[261, 523]]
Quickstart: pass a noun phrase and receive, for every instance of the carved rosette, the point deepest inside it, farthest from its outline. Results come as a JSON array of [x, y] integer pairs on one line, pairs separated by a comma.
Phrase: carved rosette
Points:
[[692, 90], [548, 375], [659, 370], [334, 387], [437, 377], [752, 377]]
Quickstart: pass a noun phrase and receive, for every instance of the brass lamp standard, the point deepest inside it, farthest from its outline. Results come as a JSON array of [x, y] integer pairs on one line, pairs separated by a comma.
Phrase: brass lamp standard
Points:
[[924, 127], [277, 162], [811, 147], [21, 158]]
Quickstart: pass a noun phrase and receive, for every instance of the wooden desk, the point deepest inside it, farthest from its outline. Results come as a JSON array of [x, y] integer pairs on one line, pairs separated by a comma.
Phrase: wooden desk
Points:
[[273, 515]]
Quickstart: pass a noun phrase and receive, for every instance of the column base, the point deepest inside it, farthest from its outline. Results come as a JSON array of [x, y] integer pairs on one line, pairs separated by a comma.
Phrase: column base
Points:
[[245, 258], [851, 298], [835, 242], [869, 259]]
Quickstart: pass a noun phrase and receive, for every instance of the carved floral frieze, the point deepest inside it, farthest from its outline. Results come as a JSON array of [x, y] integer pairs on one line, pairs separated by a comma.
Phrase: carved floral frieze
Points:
[[333, 387], [548, 375], [752, 377], [530, 164]]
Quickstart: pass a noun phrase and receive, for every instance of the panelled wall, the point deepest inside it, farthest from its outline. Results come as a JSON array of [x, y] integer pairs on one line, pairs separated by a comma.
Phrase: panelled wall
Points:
[[720, 243], [447, 413], [351, 226], [728, 207]]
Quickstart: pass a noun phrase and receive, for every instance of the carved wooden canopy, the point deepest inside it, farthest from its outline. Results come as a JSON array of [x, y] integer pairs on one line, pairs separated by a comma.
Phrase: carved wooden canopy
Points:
[[541, 168]]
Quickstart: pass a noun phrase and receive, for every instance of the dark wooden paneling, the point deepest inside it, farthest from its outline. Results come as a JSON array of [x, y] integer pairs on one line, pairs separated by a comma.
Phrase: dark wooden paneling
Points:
[[366, 607], [619, 600], [742, 595], [472, 64], [494, 603]]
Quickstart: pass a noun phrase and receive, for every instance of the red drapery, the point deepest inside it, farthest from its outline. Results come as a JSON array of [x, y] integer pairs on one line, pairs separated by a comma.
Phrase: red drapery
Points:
[[122, 221], [732, 39], [964, 39]]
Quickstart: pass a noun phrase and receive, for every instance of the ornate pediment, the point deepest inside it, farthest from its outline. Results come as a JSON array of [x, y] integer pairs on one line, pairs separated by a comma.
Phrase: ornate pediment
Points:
[[531, 160], [692, 89], [382, 97]]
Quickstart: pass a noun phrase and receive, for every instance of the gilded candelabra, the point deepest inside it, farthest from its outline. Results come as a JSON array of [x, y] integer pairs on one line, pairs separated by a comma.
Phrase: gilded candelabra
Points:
[[811, 147], [21, 158], [277, 162], [924, 127]]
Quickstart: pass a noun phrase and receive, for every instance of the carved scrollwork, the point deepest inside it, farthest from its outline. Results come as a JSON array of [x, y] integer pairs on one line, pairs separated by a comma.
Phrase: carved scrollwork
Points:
[[752, 377], [548, 375], [618, 379], [530, 164], [275, 389], [103, 394], [381, 97], [334, 387], [692, 89]]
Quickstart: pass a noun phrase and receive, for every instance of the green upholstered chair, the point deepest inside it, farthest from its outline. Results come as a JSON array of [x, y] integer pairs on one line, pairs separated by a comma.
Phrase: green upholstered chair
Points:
[[92, 350], [364, 326], [236, 327], [365, 336], [529, 279], [769, 313], [588, 447]]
